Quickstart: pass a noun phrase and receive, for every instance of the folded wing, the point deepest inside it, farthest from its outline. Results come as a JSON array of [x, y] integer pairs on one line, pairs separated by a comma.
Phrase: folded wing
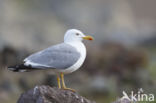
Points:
[[60, 56]]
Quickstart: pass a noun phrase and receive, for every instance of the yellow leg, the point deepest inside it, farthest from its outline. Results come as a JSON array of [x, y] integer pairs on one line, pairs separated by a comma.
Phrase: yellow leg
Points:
[[58, 82], [63, 84]]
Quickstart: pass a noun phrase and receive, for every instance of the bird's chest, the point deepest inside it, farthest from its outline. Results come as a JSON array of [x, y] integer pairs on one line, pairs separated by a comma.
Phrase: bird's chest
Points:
[[82, 50]]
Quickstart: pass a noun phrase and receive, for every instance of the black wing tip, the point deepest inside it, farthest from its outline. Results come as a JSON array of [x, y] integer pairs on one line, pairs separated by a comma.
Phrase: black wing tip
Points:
[[18, 68], [12, 68], [22, 68]]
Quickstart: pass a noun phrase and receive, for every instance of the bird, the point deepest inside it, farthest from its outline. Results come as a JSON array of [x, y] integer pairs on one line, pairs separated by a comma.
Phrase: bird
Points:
[[62, 58]]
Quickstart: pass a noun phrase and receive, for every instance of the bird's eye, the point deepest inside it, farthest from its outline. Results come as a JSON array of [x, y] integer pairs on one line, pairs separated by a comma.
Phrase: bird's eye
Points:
[[77, 34]]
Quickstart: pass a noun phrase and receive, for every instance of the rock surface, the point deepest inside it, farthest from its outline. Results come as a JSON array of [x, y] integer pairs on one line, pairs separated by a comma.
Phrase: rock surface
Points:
[[47, 94]]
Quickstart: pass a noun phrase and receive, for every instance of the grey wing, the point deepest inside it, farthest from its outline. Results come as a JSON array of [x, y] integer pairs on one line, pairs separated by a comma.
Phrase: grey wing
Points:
[[60, 56]]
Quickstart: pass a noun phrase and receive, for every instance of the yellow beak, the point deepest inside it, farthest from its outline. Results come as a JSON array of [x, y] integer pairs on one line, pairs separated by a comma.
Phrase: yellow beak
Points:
[[88, 38]]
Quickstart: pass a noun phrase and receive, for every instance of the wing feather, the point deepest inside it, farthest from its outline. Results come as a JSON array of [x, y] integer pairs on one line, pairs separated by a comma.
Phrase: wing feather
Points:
[[60, 56]]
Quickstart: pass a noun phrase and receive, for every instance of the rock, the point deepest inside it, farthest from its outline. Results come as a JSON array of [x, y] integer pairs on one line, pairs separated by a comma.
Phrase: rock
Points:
[[47, 94]]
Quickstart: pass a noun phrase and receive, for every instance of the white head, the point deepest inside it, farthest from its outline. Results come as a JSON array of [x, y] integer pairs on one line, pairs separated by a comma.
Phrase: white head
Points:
[[75, 35]]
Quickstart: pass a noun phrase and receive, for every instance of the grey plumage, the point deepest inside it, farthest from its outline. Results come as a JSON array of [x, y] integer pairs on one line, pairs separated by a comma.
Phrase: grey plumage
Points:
[[60, 56]]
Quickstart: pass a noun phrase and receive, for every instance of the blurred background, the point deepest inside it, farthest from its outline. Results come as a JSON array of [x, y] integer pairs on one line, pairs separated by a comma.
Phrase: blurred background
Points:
[[122, 56]]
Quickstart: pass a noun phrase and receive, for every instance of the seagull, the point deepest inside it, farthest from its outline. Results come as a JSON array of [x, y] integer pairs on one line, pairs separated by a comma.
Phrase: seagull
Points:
[[63, 58]]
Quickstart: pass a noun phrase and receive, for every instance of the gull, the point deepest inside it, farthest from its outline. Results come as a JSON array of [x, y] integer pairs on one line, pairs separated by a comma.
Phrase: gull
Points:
[[63, 58]]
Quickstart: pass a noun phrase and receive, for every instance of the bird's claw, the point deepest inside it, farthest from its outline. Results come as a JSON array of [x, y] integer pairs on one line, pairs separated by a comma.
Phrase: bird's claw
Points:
[[69, 89]]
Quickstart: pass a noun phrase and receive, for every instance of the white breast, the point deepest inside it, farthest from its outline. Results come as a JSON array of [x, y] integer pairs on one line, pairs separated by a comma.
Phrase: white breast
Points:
[[80, 48]]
